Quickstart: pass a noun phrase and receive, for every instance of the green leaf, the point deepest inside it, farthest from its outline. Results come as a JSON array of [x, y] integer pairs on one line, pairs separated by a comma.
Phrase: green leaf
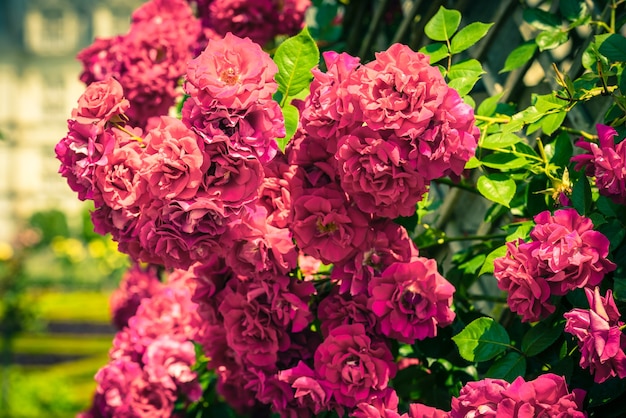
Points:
[[497, 187], [573, 10], [469, 36], [436, 51], [581, 195], [482, 340], [489, 106], [551, 39], [504, 161], [541, 19], [473, 162], [614, 231], [295, 58], [541, 336], [499, 141], [487, 267], [464, 75], [443, 24], [614, 48], [509, 367], [560, 150], [520, 56], [291, 115]]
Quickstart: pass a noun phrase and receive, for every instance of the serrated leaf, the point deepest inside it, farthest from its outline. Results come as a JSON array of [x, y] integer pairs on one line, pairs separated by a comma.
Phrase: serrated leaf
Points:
[[482, 340], [551, 39], [614, 48], [487, 267], [520, 56], [508, 368], [436, 51], [469, 36], [499, 141], [443, 24], [541, 336], [541, 19], [498, 188], [488, 106], [295, 58], [291, 115]]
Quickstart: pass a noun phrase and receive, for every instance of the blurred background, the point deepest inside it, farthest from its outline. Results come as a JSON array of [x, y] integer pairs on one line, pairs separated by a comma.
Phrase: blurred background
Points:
[[56, 275]]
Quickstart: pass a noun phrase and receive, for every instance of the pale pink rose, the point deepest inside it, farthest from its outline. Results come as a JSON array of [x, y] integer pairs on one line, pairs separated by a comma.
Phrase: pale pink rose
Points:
[[411, 299], [233, 72], [309, 266], [571, 254], [274, 193], [353, 365], [606, 161], [174, 161], [101, 102], [148, 399], [518, 273], [600, 338]]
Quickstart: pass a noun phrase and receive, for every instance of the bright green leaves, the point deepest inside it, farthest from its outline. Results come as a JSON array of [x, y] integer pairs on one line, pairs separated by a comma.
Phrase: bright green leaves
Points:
[[482, 340], [295, 58], [614, 48], [519, 56], [443, 24], [497, 187], [541, 336], [463, 75]]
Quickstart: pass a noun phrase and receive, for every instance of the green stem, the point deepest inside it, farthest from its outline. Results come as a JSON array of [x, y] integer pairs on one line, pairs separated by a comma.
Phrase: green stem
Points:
[[573, 131], [489, 119]]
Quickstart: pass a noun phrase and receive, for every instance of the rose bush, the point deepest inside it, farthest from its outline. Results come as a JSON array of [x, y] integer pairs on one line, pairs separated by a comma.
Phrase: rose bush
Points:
[[290, 204]]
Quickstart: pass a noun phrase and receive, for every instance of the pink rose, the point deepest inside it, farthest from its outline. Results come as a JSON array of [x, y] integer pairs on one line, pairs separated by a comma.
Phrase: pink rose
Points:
[[600, 338], [518, 274], [354, 366], [101, 102], [411, 299], [312, 394], [233, 73], [605, 161], [174, 162], [337, 309], [418, 410], [137, 283], [255, 20], [375, 171], [479, 399], [571, 254], [326, 226]]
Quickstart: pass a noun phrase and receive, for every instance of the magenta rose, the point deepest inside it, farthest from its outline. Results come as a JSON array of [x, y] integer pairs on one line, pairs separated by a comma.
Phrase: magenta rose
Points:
[[384, 405], [312, 394], [600, 338], [605, 161], [375, 171], [480, 399], [411, 299], [101, 102], [113, 383], [137, 283], [518, 274], [571, 254], [418, 410], [233, 73], [174, 162], [255, 20], [354, 366], [327, 226], [343, 309]]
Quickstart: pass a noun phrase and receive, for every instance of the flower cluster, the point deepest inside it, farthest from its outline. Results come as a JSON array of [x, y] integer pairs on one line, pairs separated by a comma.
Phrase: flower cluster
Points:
[[152, 357], [564, 254], [599, 334], [546, 396], [606, 161], [259, 20]]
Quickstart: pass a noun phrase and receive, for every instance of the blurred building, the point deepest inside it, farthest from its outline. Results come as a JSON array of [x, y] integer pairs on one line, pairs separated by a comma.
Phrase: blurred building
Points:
[[38, 88]]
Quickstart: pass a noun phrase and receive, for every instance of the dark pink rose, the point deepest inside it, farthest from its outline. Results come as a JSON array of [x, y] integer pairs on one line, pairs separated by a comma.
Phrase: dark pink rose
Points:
[[375, 171], [233, 72], [547, 396], [327, 226], [101, 59], [571, 254], [386, 244], [384, 405], [354, 366], [480, 399], [137, 283], [343, 309], [518, 274], [174, 162], [113, 383], [411, 299], [600, 338], [101, 102], [291, 15], [312, 394], [148, 399], [605, 161], [418, 410]]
